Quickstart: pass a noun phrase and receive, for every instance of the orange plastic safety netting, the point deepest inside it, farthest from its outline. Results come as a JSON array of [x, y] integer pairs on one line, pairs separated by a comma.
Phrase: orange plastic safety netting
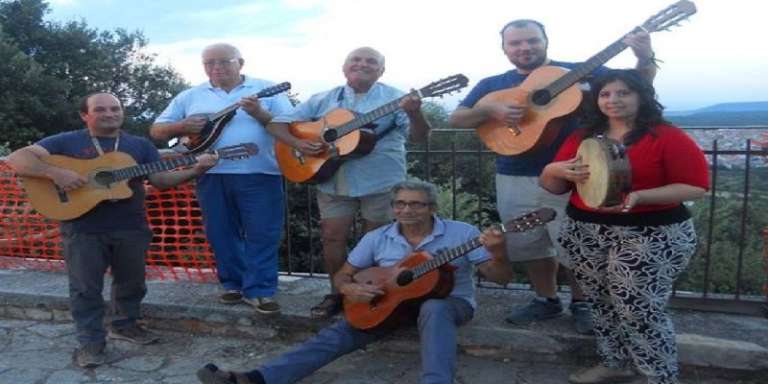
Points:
[[179, 250]]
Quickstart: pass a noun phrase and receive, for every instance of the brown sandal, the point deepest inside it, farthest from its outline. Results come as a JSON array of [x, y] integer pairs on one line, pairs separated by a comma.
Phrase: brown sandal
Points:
[[329, 307]]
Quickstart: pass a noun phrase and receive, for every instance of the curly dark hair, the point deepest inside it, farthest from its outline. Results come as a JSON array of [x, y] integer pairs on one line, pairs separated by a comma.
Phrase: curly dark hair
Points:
[[649, 113]]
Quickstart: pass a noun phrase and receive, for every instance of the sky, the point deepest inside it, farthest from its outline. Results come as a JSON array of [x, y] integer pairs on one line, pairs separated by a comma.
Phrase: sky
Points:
[[715, 56]]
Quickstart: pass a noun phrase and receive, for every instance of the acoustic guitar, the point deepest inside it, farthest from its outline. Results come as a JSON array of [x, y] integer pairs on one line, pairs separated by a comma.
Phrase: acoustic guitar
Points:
[[551, 92], [341, 130], [107, 176], [199, 142], [419, 277]]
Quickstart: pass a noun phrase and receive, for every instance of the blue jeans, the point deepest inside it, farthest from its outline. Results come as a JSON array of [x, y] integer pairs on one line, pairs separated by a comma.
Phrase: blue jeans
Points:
[[243, 217], [438, 322]]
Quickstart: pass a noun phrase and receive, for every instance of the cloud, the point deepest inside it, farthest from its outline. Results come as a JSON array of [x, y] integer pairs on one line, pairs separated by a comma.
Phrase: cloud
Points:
[[227, 13], [429, 39], [63, 3]]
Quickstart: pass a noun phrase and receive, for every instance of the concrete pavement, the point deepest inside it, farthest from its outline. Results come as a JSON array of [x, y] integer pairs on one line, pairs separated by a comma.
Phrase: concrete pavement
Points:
[[36, 339]]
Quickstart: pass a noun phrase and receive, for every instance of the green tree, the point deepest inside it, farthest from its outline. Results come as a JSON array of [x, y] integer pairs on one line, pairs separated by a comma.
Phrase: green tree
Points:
[[68, 61], [22, 84]]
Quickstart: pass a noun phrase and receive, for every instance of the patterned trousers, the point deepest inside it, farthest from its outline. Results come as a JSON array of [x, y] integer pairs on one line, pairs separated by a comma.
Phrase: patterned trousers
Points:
[[627, 274]]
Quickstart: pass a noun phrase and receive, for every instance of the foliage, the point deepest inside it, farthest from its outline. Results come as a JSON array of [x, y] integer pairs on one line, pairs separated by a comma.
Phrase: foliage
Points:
[[723, 250], [52, 66]]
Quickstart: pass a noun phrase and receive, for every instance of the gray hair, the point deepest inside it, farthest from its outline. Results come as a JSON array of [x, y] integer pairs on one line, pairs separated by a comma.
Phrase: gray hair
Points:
[[429, 189], [369, 49], [224, 46]]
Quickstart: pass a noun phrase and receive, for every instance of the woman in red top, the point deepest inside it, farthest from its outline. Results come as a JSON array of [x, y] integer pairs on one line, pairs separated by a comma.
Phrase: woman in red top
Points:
[[627, 257]]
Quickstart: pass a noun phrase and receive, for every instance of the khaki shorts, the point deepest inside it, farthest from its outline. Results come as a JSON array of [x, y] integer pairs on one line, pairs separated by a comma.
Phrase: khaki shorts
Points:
[[518, 195], [374, 207]]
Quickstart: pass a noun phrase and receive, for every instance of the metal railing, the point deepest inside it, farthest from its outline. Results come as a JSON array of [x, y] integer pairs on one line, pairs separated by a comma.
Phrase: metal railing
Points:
[[728, 273], [464, 169]]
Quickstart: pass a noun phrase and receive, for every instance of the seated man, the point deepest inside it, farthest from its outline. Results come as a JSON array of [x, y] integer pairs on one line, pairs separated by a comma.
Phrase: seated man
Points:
[[417, 228]]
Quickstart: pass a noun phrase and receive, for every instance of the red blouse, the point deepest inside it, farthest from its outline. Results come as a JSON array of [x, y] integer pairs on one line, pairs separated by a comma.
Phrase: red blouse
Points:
[[665, 156]]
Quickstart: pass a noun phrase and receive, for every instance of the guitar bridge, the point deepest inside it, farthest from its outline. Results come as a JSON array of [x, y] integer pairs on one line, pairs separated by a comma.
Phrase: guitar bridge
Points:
[[63, 197], [299, 156]]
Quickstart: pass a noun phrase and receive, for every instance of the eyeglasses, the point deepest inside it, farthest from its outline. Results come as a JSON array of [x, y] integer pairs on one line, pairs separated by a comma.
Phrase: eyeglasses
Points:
[[221, 63], [401, 204]]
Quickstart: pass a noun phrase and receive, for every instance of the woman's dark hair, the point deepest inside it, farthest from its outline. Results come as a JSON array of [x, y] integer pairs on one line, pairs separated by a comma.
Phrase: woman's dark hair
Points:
[[649, 113]]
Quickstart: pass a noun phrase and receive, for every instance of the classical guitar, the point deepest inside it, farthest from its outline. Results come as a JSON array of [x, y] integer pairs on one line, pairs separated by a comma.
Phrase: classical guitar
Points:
[[551, 92], [418, 277], [341, 130], [199, 142], [107, 176]]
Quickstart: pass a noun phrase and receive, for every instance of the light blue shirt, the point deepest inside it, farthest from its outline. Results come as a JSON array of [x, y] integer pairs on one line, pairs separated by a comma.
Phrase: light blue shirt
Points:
[[205, 98], [385, 246], [385, 165]]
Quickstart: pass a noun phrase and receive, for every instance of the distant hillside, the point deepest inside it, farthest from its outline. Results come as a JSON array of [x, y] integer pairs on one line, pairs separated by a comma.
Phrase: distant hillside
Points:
[[724, 107], [725, 114]]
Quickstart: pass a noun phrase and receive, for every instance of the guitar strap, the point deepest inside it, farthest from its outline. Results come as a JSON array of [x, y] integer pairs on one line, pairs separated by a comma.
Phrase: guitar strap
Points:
[[379, 135], [96, 144]]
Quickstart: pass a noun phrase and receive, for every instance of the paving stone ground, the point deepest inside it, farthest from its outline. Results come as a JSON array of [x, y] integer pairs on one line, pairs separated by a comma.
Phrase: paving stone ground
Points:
[[40, 352]]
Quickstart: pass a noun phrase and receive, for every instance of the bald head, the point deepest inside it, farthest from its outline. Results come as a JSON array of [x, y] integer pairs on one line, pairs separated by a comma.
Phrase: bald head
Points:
[[222, 63], [362, 68], [368, 51]]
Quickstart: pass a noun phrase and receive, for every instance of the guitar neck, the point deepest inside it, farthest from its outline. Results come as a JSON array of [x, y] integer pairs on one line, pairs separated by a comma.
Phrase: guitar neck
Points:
[[150, 168], [369, 117], [581, 71], [263, 93], [445, 257]]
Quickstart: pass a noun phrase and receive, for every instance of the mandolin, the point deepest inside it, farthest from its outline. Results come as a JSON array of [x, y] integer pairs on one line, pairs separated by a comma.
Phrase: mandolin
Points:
[[199, 142]]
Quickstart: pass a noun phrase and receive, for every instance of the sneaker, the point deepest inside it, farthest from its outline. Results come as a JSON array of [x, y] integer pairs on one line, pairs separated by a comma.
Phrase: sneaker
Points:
[[602, 374], [264, 305], [537, 309], [231, 297], [91, 355], [211, 374], [581, 313], [329, 307], [134, 334]]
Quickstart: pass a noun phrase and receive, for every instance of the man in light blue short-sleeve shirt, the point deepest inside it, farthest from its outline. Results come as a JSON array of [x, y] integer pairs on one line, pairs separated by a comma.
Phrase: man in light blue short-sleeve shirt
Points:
[[360, 184], [417, 228], [241, 200]]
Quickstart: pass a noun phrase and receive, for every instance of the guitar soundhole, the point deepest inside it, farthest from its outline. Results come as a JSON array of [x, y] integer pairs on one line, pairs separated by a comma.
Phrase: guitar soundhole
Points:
[[330, 135], [541, 97], [104, 178]]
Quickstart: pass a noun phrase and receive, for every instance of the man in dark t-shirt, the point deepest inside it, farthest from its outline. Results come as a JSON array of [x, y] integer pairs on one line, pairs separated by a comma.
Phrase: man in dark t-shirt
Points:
[[114, 234], [525, 42]]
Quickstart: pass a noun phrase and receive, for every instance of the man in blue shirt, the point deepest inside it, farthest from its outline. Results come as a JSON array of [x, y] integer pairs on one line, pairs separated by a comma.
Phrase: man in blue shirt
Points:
[[417, 228], [360, 184], [242, 201], [525, 42], [113, 234]]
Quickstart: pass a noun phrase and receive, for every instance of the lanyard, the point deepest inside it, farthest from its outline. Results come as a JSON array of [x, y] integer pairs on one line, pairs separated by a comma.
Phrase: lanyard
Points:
[[98, 146]]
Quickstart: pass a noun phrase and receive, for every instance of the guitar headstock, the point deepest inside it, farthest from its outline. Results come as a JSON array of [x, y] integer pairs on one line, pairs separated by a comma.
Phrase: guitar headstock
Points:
[[240, 151], [274, 90], [444, 86], [525, 222], [670, 16]]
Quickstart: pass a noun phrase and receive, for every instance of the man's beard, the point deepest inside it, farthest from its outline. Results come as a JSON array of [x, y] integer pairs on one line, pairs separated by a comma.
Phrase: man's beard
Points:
[[532, 65]]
